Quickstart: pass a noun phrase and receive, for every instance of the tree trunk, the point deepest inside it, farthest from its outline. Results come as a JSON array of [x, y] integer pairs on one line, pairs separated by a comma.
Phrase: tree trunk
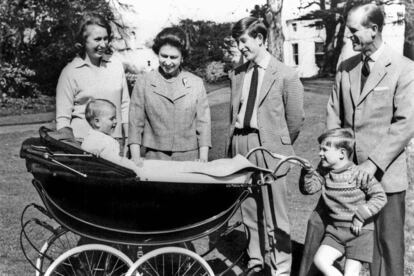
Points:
[[275, 33], [409, 29]]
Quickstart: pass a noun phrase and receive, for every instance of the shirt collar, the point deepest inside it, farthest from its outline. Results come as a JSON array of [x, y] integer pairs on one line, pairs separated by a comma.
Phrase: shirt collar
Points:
[[80, 62], [375, 55], [263, 63]]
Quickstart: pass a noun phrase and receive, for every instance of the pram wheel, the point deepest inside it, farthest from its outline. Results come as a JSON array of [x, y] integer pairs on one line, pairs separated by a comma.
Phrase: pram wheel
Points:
[[90, 259], [55, 246], [169, 261]]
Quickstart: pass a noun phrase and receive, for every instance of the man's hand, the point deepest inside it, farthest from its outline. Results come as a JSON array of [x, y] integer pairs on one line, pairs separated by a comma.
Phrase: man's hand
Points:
[[363, 173], [356, 226]]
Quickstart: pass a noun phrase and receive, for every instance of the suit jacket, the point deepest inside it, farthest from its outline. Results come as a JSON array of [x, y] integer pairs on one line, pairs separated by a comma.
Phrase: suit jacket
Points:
[[169, 120], [381, 115], [280, 112]]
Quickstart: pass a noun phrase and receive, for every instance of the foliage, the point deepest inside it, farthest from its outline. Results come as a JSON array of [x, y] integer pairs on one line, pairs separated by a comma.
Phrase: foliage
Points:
[[209, 42], [26, 105], [17, 80], [215, 71], [259, 11], [37, 39]]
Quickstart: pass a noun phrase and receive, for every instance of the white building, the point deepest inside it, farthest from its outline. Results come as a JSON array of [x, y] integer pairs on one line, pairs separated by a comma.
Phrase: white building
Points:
[[303, 46]]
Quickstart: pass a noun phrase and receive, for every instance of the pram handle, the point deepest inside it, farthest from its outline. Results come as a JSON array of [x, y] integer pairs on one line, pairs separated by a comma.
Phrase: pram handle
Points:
[[295, 160]]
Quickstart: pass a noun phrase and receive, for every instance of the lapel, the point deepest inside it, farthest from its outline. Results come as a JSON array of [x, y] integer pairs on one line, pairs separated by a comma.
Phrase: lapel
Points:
[[237, 88], [269, 78], [185, 86], [159, 87], [355, 80], [378, 72]]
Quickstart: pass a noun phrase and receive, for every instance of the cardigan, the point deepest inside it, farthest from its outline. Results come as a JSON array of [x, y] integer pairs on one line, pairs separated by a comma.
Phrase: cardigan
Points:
[[79, 82]]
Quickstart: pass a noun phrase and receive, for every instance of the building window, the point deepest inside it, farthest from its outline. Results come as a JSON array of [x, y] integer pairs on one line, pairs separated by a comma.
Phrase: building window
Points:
[[295, 47], [319, 53], [295, 27]]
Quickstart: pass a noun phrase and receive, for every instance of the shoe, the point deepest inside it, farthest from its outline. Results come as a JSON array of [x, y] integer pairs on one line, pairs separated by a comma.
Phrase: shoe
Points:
[[255, 271]]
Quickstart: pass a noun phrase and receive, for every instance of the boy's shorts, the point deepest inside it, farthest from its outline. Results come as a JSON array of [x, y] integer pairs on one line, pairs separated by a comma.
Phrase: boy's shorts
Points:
[[354, 247]]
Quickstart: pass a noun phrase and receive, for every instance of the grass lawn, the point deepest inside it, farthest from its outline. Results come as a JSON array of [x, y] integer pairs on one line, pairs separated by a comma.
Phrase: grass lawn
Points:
[[16, 189]]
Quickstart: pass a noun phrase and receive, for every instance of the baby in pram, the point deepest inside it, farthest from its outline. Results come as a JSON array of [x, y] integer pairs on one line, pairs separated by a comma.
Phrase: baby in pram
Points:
[[101, 116]]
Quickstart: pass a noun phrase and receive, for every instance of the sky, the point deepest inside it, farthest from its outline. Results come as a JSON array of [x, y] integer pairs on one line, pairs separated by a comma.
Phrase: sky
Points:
[[152, 15]]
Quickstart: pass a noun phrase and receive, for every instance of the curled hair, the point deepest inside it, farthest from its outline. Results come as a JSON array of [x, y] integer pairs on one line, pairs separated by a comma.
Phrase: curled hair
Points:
[[173, 36], [340, 138], [94, 109], [88, 20], [252, 25], [373, 14]]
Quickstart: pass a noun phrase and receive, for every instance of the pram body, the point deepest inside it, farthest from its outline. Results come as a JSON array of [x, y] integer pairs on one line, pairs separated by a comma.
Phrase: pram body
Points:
[[99, 200]]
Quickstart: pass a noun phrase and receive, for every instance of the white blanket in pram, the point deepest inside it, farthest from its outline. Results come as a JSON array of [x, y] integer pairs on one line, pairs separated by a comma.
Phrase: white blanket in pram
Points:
[[226, 170]]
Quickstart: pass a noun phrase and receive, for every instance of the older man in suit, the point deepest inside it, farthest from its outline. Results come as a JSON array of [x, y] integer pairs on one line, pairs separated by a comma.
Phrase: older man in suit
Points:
[[374, 96], [266, 110]]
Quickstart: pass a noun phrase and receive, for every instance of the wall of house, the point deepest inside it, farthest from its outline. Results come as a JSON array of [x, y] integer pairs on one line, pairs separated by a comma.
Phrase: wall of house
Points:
[[304, 35]]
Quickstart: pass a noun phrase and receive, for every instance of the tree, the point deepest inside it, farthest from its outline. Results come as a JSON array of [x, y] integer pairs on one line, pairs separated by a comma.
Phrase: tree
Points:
[[209, 42], [275, 33], [37, 40], [409, 29]]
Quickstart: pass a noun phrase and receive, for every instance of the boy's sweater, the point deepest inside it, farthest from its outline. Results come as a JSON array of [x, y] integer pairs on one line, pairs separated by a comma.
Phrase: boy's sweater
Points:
[[345, 200]]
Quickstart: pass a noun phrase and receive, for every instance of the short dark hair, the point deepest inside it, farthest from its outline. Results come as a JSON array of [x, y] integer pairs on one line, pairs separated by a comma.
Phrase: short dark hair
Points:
[[341, 138], [173, 36], [88, 20], [93, 109], [252, 25], [373, 15]]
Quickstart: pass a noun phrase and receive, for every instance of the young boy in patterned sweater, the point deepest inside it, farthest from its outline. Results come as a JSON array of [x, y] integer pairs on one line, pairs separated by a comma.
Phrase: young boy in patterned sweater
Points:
[[350, 208]]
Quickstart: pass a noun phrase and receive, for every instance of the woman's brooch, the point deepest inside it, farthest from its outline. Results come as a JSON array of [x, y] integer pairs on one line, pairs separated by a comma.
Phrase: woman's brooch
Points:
[[185, 82]]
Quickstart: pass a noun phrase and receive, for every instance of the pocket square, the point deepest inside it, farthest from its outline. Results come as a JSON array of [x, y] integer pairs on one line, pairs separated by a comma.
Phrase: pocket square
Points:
[[381, 88]]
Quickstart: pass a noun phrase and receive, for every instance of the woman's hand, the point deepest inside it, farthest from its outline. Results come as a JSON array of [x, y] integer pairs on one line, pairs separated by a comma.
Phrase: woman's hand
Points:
[[136, 154], [203, 152]]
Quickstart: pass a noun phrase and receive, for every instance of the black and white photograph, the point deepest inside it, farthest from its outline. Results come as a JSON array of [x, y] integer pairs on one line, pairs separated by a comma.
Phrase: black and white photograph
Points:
[[207, 138]]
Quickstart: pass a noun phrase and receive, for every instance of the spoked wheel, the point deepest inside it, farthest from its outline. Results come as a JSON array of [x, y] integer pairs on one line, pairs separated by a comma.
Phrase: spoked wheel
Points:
[[55, 246], [90, 260], [170, 261]]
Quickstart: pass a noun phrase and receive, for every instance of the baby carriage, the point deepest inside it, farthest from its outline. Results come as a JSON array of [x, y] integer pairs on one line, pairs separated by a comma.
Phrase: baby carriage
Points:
[[95, 210]]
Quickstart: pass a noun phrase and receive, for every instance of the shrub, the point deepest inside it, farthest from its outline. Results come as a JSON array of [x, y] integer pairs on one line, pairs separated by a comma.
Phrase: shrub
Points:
[[215, 71], [16, 80], [209, 47]]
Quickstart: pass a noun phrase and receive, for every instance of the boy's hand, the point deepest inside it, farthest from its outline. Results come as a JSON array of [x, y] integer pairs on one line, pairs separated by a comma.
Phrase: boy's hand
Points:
[[307, 166], [356, 226]]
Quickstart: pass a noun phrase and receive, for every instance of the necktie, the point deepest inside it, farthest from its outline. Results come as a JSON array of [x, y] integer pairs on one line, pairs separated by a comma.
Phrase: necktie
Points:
[[365, 71], [252, 98]]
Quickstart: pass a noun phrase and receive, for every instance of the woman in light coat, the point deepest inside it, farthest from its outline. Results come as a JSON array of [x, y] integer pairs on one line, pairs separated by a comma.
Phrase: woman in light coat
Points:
[[169, 113]]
